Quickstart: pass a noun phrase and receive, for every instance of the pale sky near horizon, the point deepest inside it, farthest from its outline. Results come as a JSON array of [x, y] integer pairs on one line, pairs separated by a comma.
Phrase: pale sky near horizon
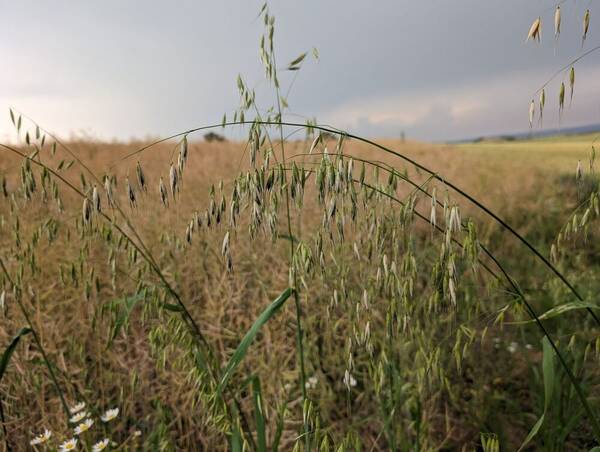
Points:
[[436, 69]]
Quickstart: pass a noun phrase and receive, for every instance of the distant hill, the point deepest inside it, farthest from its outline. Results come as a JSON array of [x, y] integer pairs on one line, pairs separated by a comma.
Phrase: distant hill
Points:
[[530, 134]]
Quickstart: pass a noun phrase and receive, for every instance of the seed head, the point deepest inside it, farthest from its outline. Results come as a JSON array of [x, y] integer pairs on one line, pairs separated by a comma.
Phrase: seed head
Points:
[[173, 180], [162, 190], [140, 176], [531, 113], [349, 380], [557, 22], [542, 103], [109, 192], [572, 81], [586, 25], [561, 97], [535, 30], [86, 211], [96, 199], [130, 194]]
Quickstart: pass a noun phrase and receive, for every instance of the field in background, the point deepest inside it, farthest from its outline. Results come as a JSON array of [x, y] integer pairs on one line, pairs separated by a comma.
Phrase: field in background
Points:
[[530, 183]]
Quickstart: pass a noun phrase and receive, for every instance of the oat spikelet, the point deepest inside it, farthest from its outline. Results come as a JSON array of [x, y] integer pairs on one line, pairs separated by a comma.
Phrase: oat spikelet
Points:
[[86, 211], [578, 171], [173, 180], [586, 26], [557, 19], [130, 194], [162, 190], [542, 104], [561, 97], [571, 83], [109, 192], [531, 113], [96, 199], [140, 177], [535, 30]]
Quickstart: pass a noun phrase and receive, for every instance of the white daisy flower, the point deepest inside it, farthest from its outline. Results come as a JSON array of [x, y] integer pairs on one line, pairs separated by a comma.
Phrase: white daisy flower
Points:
[[70, 444], [77, 408], [84, 426], [41, 438], [79, 417], [110, 415], [100, 445]]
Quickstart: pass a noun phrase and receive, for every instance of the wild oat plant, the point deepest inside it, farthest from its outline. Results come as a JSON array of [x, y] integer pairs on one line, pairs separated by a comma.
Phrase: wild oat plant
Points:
[[314, 298]]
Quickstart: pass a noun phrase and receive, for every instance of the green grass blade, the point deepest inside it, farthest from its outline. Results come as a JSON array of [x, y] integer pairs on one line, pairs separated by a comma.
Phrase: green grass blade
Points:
[[125, 307], [549, 374], [10, 350], [242, 349], [279, 428], [236, 440], [558, 310], [548, 368], [533, 431], [259, 417]]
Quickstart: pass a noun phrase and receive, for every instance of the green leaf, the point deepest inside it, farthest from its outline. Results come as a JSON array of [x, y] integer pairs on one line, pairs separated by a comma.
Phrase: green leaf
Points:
[[279, 428], [242, 349], [10, 350], [259, 416], [124, 306], [549, 378], [236, 440], [549, 375], [533, 431], [172, 307], [558, 310]]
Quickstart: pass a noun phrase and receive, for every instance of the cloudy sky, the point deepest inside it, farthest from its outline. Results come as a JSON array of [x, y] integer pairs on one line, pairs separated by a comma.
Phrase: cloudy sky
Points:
[[437, 69]]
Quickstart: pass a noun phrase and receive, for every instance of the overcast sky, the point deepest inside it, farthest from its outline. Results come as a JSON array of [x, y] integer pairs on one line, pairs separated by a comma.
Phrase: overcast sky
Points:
[[437, 69]]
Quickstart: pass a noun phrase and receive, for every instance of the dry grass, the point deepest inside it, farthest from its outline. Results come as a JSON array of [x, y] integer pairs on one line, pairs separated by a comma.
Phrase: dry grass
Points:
[[149, 377]]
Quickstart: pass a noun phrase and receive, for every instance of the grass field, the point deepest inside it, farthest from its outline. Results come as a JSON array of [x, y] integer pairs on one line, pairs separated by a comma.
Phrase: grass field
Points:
[[394, 356]]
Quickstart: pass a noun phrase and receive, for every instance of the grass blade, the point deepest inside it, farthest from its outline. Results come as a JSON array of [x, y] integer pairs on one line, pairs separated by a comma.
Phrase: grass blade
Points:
[[549, 378], [10, 350], [125, 307], [242, 349], [259, 416]]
